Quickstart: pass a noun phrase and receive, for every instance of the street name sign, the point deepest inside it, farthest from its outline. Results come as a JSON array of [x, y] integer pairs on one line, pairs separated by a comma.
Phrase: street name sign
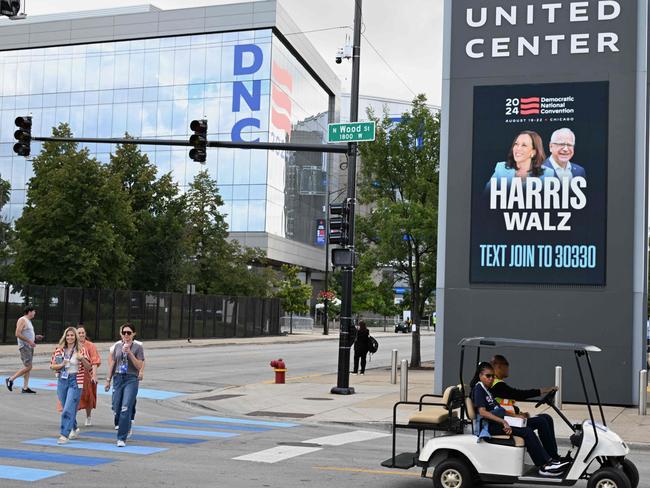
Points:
[[352, 132]]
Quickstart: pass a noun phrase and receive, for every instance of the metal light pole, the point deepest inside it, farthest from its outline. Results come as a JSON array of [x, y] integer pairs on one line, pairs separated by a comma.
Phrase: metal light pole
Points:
[[326, 325], [343, 378]]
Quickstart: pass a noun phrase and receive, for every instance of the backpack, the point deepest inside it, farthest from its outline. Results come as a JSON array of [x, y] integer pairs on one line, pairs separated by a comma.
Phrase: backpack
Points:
[[373, 345]]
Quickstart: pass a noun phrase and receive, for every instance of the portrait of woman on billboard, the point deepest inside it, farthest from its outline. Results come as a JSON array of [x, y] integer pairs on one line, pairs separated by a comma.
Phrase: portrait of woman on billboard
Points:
[[525, 158]]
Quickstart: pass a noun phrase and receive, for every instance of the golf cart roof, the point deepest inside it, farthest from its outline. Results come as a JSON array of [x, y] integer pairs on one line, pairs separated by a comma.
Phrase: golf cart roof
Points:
[[506, 342]]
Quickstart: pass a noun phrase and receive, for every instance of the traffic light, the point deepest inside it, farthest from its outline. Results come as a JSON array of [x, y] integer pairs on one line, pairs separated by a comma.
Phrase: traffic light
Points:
[[10, 8], [23, 136], [199, 140], [338, 232]]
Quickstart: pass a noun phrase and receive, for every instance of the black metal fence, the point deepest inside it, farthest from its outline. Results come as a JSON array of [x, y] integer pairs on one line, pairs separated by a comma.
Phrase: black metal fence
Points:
[[155, 315]]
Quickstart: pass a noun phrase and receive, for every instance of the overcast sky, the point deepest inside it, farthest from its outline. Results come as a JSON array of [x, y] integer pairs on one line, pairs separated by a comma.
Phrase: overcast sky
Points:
[[406, 34]]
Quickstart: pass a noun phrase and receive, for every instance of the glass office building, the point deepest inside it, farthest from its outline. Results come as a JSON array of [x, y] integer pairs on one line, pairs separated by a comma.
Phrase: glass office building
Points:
[[249, 83]]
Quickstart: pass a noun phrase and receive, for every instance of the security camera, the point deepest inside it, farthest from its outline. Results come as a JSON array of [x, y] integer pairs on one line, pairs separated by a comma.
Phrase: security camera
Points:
[[339, 56]]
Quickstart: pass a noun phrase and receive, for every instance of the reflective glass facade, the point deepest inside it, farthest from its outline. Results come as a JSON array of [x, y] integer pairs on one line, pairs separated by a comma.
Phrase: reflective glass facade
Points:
[[153, 88]]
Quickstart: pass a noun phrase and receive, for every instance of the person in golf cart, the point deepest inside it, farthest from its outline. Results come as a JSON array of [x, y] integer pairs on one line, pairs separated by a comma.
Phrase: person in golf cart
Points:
[[491, 422], [507, 396]]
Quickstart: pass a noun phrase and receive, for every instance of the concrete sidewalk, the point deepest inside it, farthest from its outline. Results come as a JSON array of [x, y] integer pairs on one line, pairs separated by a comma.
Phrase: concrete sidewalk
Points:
[[308, 399], [45, 349]]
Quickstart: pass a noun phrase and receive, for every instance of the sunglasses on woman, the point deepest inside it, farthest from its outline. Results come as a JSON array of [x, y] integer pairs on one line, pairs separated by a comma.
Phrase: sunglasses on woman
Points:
[[126, 332]]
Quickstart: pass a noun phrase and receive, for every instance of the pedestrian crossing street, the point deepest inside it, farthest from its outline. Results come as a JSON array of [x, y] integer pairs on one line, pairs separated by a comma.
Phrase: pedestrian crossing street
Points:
[[154, 439]]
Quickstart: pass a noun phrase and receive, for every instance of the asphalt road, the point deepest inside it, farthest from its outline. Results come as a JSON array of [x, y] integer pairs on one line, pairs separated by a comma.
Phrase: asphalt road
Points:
[[194, 370], [211, 462]]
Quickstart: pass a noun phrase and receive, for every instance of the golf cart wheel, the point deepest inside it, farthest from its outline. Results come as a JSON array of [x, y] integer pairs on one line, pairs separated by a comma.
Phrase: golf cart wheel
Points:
[[631, 472], [608, 478], [452, 473]]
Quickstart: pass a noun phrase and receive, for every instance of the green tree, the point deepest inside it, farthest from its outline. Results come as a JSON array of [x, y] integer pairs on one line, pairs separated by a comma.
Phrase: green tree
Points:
[[248, 272], [384, 303], [293, 293], [5, 231], [206, 233], [158, 244], [399, 178], [73, 227], [215, 264]]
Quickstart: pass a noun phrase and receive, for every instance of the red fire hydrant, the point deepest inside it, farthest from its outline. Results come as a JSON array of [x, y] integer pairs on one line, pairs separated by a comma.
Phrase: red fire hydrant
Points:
[[280, 369]]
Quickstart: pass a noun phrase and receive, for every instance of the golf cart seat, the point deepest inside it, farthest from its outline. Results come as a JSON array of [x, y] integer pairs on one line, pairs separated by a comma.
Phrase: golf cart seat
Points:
[[440, 416], [501, 440]]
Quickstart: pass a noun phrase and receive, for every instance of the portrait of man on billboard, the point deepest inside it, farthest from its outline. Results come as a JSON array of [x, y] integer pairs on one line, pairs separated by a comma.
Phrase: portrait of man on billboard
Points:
[[562, 147]]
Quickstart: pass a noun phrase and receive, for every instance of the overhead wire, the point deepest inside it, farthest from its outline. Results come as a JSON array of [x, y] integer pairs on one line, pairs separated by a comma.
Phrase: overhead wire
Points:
[[388, 65]]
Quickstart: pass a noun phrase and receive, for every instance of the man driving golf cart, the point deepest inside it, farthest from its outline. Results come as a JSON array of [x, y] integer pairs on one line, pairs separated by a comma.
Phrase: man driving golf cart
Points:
[[462, 455]]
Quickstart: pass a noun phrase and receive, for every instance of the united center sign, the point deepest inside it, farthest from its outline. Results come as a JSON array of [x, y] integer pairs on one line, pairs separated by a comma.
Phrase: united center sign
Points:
[[542, 222]]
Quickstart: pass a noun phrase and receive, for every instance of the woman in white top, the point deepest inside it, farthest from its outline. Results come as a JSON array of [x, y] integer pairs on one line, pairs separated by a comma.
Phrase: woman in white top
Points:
[[71, 362]]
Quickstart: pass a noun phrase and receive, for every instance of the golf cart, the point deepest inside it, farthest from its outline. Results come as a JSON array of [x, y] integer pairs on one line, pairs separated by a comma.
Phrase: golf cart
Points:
[[459, 459]]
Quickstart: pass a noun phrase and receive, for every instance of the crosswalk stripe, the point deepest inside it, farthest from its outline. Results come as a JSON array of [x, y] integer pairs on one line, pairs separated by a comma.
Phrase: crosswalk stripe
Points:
[[347, 438], [198, 433], [51, 457], [227, 420], [45, 384], [147, 438], [97, 446], [208, 425], [279, 453], [26, 474]]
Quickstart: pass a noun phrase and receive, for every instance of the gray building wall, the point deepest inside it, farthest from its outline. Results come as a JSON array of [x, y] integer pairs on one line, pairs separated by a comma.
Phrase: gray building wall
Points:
[[612, 316]]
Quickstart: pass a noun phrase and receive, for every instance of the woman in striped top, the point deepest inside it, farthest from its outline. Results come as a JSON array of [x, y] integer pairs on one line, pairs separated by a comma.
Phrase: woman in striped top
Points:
[[71, 362]]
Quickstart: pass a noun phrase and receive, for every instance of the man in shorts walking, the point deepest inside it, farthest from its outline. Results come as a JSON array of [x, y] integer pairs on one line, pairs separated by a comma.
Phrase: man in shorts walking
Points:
[[26, 344]]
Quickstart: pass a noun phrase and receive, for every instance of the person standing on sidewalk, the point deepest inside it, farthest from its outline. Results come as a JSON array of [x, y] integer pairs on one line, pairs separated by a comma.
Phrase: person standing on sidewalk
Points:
[[127, 359], [26, 343], [89, 394], [70, 360], [361, 348]]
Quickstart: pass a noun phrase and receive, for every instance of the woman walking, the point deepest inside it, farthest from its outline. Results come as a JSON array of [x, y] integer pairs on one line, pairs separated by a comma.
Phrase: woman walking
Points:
[[71, 363], [126, 362], [88, 400]]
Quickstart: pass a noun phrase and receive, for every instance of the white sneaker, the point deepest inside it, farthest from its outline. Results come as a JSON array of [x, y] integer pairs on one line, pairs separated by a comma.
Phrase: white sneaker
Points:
[[89, 422], [121, 444], [117, 427], [74, 433], [62, 440]]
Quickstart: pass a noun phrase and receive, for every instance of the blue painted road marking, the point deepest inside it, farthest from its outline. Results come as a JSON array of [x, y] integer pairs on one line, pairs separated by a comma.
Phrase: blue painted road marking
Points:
[[146, 438], [26, 474], [208, 425], [198, 433], [45, 384], [227, 420], [97, 446], [50, 457]]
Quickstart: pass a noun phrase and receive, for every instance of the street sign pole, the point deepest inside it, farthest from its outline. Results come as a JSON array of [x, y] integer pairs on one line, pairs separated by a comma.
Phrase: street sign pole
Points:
[[343, 377]]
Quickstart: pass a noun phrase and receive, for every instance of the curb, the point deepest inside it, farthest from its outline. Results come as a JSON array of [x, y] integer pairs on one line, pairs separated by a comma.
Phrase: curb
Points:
[[153, 345]]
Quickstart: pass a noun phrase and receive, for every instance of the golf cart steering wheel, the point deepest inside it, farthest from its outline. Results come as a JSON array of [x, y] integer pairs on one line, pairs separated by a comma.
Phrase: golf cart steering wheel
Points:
[[548, 398]]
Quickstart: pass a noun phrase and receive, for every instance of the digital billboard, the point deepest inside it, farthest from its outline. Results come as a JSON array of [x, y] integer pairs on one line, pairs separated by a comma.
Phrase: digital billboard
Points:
[[539, 184]]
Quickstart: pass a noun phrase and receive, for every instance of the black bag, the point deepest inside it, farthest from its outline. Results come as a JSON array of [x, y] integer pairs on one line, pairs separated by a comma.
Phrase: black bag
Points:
[[373, 345]]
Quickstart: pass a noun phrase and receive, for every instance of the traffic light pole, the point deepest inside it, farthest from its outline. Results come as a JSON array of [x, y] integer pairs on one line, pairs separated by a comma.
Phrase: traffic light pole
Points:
[[343, 377], [277, 146]]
